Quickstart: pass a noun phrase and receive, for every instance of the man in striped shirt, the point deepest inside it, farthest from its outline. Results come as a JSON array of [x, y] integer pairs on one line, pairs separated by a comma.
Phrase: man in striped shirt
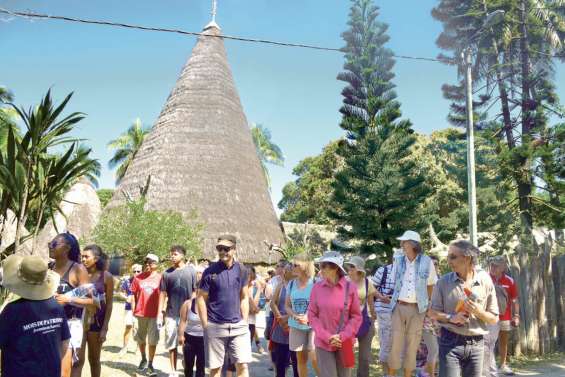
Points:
[[383, 280]]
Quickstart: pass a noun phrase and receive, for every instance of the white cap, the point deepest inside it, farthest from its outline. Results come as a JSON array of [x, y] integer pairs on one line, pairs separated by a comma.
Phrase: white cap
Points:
[[153, 257], [410, 235], [332, 257]]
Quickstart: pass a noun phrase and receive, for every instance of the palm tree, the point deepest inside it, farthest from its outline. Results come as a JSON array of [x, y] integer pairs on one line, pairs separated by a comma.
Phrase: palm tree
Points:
[[268, 152], [126, 147], [32, 179]]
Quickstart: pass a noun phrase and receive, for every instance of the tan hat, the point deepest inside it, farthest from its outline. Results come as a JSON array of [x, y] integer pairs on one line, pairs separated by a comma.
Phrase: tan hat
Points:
[[29, 277], [152, 257], [227, 240], [357, 262]]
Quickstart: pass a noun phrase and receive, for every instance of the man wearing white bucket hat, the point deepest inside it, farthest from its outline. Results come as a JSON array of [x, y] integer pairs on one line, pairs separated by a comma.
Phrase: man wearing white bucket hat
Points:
[[415, 277], [34, 333]]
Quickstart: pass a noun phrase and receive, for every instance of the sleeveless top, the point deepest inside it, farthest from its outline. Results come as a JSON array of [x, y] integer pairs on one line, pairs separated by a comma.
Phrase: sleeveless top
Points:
[[100, 290], [279, 335], [193, 325], [299, 300], [64, 287]]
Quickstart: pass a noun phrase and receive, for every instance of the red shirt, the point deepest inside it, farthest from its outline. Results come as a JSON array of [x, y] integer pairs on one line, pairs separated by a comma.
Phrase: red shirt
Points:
[[146, 291], [508, 283]]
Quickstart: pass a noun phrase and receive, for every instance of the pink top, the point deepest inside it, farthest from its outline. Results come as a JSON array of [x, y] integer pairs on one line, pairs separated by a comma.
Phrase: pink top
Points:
[[324, 311]]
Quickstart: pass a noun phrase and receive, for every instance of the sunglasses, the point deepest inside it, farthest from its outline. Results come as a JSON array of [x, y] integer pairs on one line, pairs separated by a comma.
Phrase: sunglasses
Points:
[[223, 248], [453, 256], [327, 265], [53, 244], [137, 271]]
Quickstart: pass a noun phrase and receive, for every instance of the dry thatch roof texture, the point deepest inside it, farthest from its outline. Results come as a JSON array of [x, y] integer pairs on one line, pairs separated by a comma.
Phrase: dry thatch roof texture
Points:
[[201, 156]]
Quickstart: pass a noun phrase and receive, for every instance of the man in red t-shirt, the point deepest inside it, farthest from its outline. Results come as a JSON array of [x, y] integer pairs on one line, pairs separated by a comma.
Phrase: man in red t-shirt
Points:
[[511, 317], [145, 307]]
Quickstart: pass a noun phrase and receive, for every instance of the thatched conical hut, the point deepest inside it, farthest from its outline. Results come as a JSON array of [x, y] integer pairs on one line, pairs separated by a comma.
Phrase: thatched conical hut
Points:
[[200, 156]]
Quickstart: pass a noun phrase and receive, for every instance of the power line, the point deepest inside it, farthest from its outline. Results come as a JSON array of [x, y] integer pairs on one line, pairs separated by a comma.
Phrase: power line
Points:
[[184, 32]]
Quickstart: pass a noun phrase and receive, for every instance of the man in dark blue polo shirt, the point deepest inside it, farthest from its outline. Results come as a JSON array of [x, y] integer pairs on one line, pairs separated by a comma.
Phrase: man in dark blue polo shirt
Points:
[[223, 307]]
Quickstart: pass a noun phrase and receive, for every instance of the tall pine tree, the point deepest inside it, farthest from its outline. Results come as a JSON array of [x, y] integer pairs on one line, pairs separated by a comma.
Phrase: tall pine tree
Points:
[[378, 190]]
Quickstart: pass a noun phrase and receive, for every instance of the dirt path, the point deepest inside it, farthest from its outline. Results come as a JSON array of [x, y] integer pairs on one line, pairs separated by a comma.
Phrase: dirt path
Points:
[[114, 365]]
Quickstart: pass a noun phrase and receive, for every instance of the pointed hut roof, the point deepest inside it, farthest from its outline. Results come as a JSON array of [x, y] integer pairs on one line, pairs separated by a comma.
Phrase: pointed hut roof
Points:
[[200, 156]]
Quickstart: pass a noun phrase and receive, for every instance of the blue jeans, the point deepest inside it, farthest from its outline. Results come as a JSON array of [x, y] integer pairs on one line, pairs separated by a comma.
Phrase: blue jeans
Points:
[[460, 356]]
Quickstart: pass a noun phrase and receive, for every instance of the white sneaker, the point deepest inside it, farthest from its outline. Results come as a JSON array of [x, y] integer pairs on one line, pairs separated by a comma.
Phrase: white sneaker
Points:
[[505, 369]]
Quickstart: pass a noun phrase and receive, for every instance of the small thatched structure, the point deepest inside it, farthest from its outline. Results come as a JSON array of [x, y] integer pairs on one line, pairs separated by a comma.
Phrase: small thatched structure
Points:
[[81, 211], [200, 156], [8, 235]]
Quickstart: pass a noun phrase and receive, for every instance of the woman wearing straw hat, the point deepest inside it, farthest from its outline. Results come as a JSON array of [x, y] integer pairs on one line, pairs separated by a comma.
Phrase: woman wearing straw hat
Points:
[[34, 333], [366, 291], [335, 316]]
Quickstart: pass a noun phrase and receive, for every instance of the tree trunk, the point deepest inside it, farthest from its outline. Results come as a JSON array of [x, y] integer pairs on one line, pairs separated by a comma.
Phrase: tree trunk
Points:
[[524, 169]]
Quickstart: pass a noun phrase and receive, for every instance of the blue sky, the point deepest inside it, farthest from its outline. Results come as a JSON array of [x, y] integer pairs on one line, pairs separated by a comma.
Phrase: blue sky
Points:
[[118, 74]]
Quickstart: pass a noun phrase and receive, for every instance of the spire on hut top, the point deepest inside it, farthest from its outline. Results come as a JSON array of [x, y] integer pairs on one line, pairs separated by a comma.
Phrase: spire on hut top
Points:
[[213, 23]]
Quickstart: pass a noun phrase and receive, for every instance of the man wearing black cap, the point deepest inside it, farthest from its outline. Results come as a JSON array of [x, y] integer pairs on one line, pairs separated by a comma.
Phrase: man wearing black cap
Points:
[[223, 308]]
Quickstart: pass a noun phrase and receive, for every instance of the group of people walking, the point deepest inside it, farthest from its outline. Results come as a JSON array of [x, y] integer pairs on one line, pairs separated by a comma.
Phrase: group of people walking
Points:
[[318, 310]]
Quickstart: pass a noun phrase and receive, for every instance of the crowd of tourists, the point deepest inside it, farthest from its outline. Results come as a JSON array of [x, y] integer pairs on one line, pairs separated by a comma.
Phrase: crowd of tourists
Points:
[[318, 312]]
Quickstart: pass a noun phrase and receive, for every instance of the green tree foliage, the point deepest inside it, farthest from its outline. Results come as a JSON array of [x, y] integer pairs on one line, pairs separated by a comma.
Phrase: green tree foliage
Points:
[[267, 151], [444, 156], [125, 148], [132, 231], [513, 79], [105, 195], [308, 198], [33, 179], [379, 188]]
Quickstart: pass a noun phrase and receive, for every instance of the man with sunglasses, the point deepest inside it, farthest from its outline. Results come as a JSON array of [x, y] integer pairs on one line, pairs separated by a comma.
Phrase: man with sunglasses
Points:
[[464, 302], [223, 307], [145, 307]]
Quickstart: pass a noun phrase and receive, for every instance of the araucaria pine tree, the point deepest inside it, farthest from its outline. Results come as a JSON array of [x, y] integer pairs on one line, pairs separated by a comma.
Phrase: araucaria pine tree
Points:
[[380, 187]]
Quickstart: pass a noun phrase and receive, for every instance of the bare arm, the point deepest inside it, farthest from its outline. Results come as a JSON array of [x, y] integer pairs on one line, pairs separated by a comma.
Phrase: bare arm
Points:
[[183, 319], [244, 302], [162, 297], [274, 301], [288, 307], [64, 348], [109, 291], [201, 299]]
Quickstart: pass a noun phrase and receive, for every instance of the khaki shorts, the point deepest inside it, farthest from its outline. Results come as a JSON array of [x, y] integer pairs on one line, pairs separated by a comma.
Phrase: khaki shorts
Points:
[[301, 340], [505, 326], [231, 339], [147, 331], [171, 333]]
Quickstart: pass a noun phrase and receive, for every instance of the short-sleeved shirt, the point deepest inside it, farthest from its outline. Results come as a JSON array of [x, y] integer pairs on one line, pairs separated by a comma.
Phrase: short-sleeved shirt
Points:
[[179, 283], [223, 286], [449, 291], [299, 301], [145, 288], [31, 333], [386, 288], [408, 286], [126, 288], [508, 283]]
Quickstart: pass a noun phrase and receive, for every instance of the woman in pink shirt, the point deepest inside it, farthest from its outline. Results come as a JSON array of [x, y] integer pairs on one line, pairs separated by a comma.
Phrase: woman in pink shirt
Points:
[[326, 310]]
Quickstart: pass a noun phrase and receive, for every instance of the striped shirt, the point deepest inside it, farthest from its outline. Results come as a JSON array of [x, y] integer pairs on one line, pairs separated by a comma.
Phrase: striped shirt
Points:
[[386, 288]]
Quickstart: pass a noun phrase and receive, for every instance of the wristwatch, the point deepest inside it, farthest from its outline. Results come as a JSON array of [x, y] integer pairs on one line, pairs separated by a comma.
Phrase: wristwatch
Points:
[[449, 316]]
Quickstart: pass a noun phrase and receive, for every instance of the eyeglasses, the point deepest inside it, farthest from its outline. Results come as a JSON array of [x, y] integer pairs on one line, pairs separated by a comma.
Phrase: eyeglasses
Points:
[[53, 244], [150, 261], [327, 265], [223, 249]]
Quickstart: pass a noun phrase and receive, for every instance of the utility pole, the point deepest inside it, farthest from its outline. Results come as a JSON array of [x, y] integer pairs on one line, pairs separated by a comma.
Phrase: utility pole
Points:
[[471, 186]]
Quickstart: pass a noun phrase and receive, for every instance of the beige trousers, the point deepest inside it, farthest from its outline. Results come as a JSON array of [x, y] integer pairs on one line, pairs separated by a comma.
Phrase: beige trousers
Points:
[[407, 324]]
